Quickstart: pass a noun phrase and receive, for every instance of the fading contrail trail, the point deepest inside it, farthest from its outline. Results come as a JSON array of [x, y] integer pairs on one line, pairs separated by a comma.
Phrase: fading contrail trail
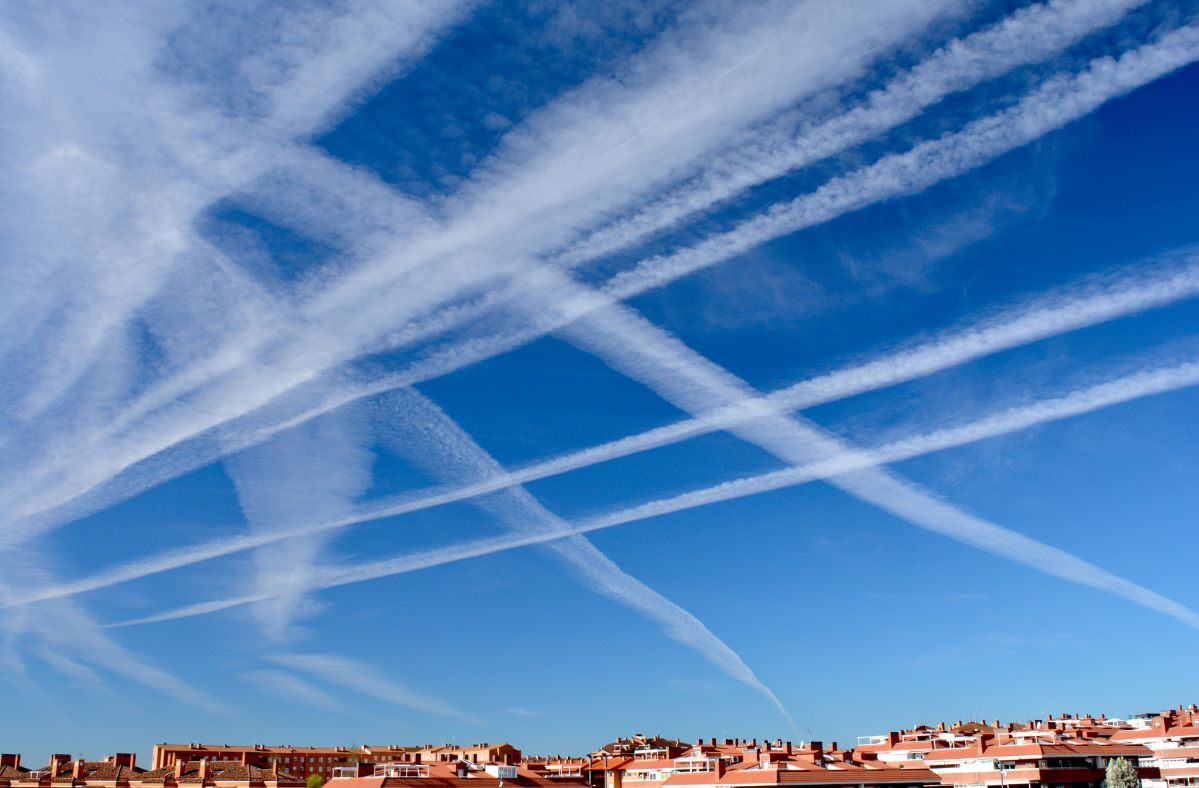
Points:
[[1052, 105], [841, 191], [538, 191], [431, 439], [976, 531], [1149, 285], [1028, 35]]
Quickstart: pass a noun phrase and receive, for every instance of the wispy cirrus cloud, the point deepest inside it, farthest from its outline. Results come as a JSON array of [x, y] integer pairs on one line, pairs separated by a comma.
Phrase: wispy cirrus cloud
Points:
[[1026, 36], [1149, 285], [661, 115], [165, 355], [427, 436], [103, 195], [308, 475], [81, 646], [111, 152], [1055, 103], [842, 464], [294, 689], [361, 678]]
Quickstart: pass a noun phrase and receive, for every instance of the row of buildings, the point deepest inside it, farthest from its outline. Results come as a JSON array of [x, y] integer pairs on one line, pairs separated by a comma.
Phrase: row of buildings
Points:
[[1070, 751]]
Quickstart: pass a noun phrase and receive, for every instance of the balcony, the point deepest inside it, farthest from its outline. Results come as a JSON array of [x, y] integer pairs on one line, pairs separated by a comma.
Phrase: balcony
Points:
[[695, 763], [408, 770]]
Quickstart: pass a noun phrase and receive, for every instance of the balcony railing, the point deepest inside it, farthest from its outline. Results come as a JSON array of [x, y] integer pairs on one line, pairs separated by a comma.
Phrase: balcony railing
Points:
[[408, 770]]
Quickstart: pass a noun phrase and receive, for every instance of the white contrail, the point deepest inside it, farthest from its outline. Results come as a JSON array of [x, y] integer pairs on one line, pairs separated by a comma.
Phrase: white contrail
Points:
[[514, 205], [1147, 285], [1049, 107], [978, 532], [141, 199], [427, 436], [362, 678], [108, 159], [66, 630], [644, 352], [310, 474], [1028, 35], [1052, 105]]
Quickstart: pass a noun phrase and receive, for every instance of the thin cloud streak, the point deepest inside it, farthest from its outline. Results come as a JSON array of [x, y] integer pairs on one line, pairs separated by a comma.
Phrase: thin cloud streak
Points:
[[67, 630], [1026, 36], [311, 70], [508, 205], [103, 196], [150, 197], [294, 689], [430, 438], [642, 351], [308, 475], [1046, 109], [365, 680], [1124, 60], [1054, 104], [1023, 549], [1148, 285], [1049, 107]]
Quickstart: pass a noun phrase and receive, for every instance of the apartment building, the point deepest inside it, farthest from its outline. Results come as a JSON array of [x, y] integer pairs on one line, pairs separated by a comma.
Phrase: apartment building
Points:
[[298, 761], [1065, 751], [305, 761], [741, 762], [115, 770], [1041, 758], [11, 769], [449, 774], [122, 771], [1173, 738]]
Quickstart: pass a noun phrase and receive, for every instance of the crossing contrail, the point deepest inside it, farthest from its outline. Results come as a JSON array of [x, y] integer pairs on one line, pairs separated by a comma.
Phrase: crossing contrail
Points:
[[1148, 285], [979, 532], [950, 69]]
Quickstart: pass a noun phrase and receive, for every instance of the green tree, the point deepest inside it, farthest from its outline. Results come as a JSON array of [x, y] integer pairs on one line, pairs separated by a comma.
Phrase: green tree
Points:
[[1120, 774], [315, 781]]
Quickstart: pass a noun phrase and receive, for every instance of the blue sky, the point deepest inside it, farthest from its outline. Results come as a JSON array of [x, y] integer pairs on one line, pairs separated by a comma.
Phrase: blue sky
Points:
[[529, 371]]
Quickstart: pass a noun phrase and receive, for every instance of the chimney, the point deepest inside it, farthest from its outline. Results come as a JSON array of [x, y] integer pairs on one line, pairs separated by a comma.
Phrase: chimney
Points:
[[719, 769], [832, 746], [712, 741], [11, 759], [203, 770], [77, 770], [180, 766], [787, 748], [893, 737], [128, 759]]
